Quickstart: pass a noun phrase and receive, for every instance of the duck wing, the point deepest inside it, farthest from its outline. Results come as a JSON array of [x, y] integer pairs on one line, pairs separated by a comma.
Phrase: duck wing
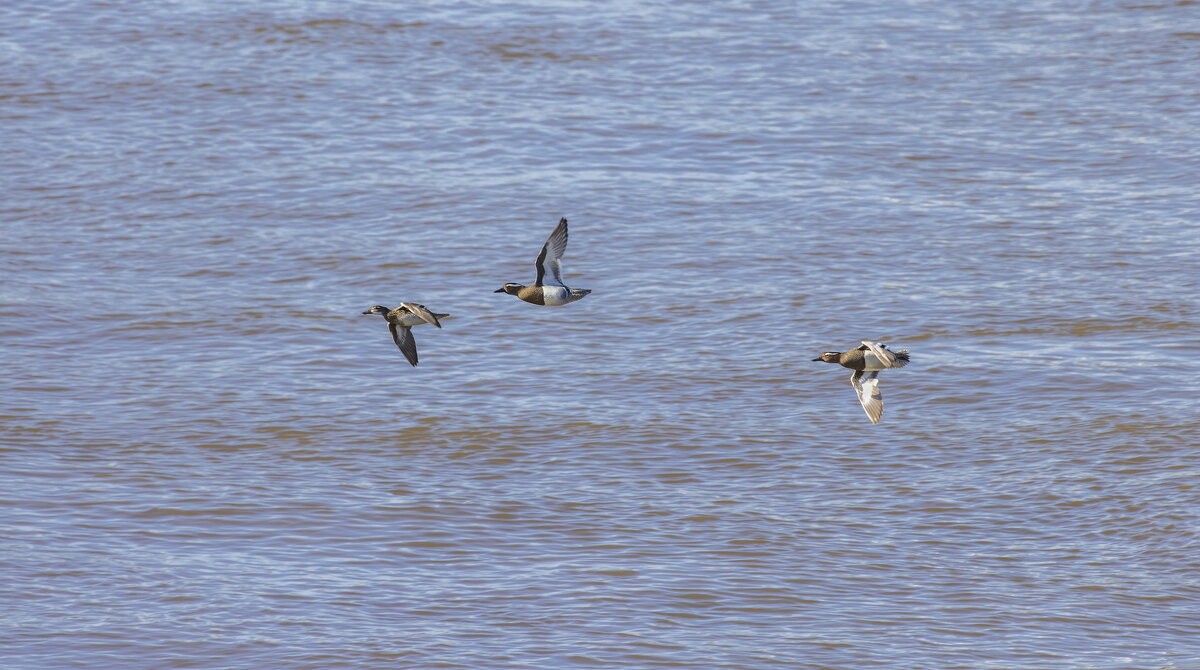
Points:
[[421, 312], [551, 256], [886, 358], [402, 336], [866, 385]]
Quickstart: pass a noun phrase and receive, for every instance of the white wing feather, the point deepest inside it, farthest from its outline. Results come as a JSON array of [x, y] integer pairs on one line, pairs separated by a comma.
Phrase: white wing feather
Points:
[[868, 394], [886, 358]]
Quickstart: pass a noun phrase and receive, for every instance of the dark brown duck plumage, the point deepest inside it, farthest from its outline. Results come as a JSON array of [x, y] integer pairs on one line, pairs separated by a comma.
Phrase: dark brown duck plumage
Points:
[[401, 321]]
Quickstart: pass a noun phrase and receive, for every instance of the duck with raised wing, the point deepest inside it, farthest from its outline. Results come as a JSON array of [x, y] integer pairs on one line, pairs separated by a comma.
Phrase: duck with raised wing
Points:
[[401, 321], [866, 361], [542, 291]]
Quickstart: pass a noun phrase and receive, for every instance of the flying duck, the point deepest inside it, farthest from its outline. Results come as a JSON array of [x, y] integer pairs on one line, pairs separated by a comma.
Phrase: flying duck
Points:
[[541, 292], [866, 361], [401, 321]]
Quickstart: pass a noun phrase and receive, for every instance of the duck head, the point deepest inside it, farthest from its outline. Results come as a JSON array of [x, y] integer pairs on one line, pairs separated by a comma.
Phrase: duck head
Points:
[[829, 357], [509, 288]]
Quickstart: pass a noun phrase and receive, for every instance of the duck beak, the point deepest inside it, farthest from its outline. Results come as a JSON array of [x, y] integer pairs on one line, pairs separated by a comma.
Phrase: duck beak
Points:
[[818, 359], [499, 290], [368, 312]]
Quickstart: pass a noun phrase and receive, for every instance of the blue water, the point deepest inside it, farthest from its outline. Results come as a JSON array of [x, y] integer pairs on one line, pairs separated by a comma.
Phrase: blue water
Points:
[[210, 458]]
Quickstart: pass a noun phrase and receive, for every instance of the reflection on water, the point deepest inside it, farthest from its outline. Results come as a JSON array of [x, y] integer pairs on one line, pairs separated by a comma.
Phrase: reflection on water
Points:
[[210, 453]]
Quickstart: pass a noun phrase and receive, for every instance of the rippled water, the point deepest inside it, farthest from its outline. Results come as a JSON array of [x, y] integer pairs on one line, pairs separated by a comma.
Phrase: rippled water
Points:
[[210, 458]]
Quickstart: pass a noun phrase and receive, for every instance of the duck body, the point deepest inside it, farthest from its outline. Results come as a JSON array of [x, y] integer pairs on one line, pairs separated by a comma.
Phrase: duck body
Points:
[[867, 360], [401, 321], [544, 290], [546, 294]]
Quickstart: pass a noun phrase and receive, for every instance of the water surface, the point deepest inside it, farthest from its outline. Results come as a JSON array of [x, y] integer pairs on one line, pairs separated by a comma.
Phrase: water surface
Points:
[[210, 458]]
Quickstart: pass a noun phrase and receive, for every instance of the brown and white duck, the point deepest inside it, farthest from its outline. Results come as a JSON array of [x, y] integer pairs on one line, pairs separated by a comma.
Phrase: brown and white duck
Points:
[[866, 361], [542, 291], [401, 321]]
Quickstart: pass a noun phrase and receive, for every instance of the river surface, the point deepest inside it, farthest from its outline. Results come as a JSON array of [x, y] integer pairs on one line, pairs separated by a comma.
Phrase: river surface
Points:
[[209, 458]]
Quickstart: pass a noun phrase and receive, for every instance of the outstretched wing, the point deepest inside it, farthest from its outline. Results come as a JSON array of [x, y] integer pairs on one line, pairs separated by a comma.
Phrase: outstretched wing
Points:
[[402, 336], [886, 357], [551, 256], [866, 385], [420, 311]]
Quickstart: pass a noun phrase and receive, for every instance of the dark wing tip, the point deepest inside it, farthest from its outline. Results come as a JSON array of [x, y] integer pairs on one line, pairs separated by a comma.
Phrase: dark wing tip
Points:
[[402, 336]]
